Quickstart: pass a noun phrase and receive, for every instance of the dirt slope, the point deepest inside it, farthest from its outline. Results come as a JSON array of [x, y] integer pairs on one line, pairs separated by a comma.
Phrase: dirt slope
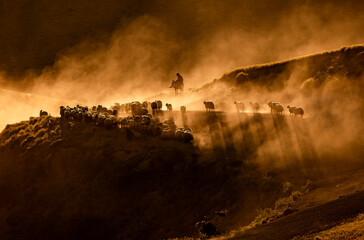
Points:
[[310, 220], [274, 76], [328, 203], [71, 181], [63, 180]]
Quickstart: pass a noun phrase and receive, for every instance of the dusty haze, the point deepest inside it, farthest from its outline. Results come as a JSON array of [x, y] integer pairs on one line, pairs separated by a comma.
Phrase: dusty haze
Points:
[[101, 52], [85, 52]]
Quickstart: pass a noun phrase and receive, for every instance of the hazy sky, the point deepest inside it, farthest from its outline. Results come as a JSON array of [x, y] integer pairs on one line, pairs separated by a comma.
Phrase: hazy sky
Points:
[[184, 36]]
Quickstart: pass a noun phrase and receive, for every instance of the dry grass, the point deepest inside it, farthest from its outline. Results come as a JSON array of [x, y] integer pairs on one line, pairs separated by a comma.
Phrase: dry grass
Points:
[[148, 188], [273, 75], [282, 207], [27, 134], [350, 229], [200, 237]]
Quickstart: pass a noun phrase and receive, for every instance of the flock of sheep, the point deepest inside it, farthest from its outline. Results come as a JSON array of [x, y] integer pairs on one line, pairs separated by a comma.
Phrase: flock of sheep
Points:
[[241, 107], [145, 117], [276, 108], [139, 118]]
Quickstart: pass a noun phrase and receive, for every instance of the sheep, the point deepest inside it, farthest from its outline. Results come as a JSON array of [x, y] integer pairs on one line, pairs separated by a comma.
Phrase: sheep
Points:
[[296, 111], [99, 108], [135, 108], [95, 116], [137, 118], [146, 119], [124, 122], [67, 114], [240, 106], [43, 113], [291, 109], [154, 105], [169, 107], [159, 104], [114, 120], [62, 109], [127, 107], [271, 105], [88, 118], [183, 109], [141, 120], [178, 134], [110, 121], [255, 106], [79, 116], [157, 130], [209, 106], [145, 104], [143, 111], [116, 106], [279, 109], [275, 107], [167, 134], [138, 109], [122, 108], [187, 136], [131, 123], [100, 119]]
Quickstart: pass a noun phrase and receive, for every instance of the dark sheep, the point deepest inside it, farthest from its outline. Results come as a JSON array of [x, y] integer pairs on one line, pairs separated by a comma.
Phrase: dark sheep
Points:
[[240, 106], [296, 111], [276, 107], [145, 104], [43, 113], [255, 106], [154, 105], [169, 107], [159, 104], [122, 108], [124, 122], [209, 106], [187, 136], [62, 109], [88, 118]]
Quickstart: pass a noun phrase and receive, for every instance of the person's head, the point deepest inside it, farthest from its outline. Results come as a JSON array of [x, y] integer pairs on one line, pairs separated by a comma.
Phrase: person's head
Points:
[[178, 74]]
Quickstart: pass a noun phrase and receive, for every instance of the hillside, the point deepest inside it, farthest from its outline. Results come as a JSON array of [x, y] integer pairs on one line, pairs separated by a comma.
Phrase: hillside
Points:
[[70, 180], [331, 209], [347, 61]]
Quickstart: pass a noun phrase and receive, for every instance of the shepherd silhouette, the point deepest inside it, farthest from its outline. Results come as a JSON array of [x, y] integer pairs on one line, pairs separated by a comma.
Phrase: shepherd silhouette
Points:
[[177, 84]]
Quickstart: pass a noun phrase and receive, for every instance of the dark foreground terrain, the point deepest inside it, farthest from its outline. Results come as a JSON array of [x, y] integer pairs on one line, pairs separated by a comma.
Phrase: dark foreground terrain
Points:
[[66, 180], [62, 180], [311, 220]]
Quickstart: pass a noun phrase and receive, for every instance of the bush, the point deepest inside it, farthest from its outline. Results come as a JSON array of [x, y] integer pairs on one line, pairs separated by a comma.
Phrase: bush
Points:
[[283, 206]]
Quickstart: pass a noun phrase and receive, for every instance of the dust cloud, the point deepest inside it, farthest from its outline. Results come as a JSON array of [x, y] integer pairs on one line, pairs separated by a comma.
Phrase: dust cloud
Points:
[[138, 53]]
